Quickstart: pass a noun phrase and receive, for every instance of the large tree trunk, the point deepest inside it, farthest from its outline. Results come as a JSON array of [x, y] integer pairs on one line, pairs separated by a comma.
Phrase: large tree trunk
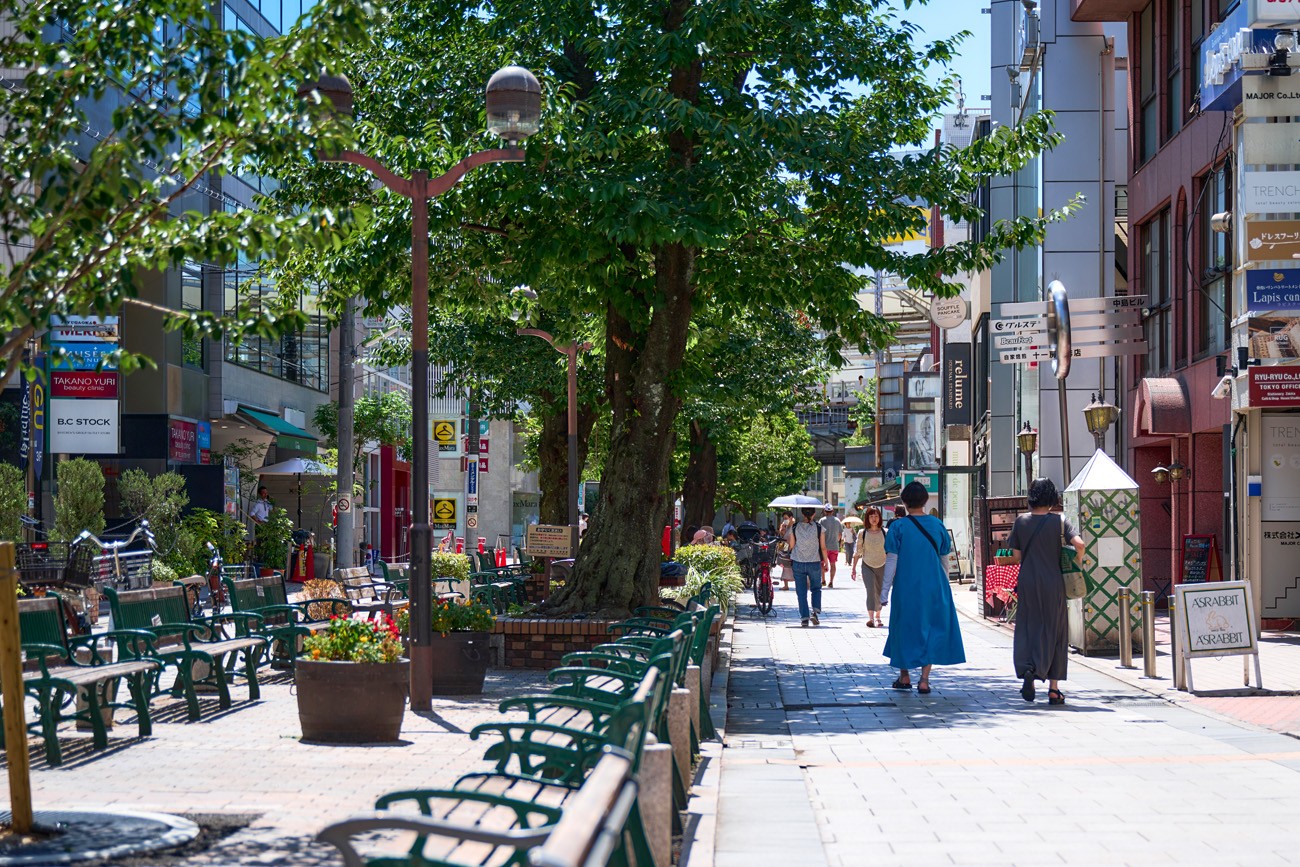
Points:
[[618, 567], [700, 489], [553, 462]]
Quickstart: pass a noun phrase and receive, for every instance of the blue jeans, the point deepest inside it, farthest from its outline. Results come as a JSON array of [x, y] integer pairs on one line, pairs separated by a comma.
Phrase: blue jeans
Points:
[[807, 575]]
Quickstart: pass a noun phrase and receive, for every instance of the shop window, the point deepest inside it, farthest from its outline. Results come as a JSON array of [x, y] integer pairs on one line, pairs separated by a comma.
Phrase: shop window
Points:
[[192, 300], [1148, 98], [1155, 239], [299, 356], [1213, 264], [1175, 109]]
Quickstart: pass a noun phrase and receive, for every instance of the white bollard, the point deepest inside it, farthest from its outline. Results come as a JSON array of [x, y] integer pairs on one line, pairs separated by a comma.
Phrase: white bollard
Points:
[[655, 799]]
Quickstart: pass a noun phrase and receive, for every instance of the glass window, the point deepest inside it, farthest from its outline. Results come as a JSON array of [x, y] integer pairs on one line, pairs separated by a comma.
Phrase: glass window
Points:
[[192, 299], [1156, 279], [1214, 264], [301, 357], [1148, 98], [1174, 65]]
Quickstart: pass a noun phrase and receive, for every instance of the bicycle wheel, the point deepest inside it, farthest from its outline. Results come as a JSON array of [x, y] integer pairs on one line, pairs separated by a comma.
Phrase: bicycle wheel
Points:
[[747, 575], [763, 592]]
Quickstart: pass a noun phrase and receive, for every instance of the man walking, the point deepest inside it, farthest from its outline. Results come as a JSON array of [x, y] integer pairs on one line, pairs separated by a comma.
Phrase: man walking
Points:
[[833, 529]]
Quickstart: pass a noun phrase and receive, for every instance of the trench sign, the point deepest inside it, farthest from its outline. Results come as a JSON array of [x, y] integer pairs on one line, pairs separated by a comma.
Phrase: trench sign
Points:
[[1217, 619]]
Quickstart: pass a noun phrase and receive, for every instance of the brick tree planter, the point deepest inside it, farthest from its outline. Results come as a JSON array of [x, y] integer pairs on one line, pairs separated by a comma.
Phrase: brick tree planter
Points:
[[537, 587], [538, 643]]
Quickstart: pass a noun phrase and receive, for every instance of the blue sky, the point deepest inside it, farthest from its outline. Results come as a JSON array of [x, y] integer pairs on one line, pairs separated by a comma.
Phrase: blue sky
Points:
[[943, 18]]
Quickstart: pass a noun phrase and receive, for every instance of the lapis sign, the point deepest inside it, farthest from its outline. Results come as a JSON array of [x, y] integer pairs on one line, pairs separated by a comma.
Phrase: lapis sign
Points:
[[1221, 59], [1269, 289]]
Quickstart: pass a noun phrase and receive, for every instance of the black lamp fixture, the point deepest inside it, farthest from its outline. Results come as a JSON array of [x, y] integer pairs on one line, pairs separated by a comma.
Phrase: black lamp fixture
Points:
[[1027, 443], [1177, 470], [1278, 62], [1099, 416]]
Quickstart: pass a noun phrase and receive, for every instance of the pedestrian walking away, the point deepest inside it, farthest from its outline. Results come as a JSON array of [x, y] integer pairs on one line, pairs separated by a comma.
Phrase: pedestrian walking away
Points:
[[807, 542], [870, 550], [923, 628], [1040, 648], [832, 530], [783, 550]]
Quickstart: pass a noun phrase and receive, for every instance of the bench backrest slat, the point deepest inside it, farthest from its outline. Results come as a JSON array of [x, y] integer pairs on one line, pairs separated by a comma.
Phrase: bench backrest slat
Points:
[[40, 621], [593, 819], [136, 609]]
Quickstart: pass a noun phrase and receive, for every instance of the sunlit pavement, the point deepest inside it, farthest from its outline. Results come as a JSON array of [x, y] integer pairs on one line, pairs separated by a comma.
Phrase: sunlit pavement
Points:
[[825, 764]]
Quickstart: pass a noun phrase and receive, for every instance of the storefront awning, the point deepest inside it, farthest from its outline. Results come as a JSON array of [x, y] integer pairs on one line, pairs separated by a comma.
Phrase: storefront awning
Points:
[[287, 436], [1162, 408]]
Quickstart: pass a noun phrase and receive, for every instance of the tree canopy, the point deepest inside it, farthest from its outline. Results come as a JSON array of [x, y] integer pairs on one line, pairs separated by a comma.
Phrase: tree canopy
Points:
[[121, 119], [695, 160]]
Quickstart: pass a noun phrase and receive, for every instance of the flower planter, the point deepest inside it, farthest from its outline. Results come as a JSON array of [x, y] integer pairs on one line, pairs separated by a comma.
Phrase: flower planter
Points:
[[351, 702], [460, 662]]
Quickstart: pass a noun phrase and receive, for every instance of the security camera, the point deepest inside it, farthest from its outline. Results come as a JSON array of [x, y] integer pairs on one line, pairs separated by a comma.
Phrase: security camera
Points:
[[1223, 388], [1221, 222]]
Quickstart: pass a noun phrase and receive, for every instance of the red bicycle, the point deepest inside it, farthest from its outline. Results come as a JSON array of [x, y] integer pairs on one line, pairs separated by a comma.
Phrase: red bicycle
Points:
[[755, 560]]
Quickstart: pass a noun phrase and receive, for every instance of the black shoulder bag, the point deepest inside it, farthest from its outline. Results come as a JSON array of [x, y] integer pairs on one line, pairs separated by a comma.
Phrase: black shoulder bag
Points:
[[926, 534]]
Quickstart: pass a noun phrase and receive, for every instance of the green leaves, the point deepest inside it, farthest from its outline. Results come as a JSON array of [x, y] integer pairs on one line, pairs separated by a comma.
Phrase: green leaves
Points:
[[127, 117]]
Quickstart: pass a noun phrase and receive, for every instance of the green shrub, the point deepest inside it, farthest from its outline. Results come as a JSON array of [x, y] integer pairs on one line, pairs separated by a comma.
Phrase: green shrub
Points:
[[79, 503], [272, 539], [162, 573], [710, 563], [157, 499], [444, 565], [201, 526], [13, 502]]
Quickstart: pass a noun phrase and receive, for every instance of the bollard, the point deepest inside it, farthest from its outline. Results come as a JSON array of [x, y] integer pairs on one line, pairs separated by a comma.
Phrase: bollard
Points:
[[1148, 633], [1179, 679], [1125, 628], [655, 799], [679, 733]]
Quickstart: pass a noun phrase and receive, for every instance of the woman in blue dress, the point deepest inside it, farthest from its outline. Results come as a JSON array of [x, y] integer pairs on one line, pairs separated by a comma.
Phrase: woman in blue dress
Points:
[[923, 629]]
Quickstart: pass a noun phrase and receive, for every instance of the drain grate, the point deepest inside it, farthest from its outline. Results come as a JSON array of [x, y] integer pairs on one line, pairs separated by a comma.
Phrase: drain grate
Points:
[[838, 704]]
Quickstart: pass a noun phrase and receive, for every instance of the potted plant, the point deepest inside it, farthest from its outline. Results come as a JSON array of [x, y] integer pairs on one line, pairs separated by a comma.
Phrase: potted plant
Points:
[[460, 645], [271, 543], [352, 682]]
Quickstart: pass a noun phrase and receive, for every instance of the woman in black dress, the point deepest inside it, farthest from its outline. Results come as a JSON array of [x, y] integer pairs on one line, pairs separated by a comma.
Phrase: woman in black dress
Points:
[[1040, 649]]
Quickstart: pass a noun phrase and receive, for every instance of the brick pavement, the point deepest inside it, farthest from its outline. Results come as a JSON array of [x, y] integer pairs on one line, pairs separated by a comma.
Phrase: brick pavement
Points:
[[824, 764], [247, 766]]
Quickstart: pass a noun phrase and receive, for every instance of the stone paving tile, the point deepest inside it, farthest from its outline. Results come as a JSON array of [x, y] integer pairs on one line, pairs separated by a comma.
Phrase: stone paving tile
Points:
[[249, 761], [973, 774]]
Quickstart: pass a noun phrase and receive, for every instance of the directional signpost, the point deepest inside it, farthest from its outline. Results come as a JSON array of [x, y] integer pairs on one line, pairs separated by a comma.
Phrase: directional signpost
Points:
[[1099, 328]]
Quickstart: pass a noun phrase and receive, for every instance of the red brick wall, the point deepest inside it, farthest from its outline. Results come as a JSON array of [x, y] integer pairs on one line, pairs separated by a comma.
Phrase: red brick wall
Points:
[[535, 643]]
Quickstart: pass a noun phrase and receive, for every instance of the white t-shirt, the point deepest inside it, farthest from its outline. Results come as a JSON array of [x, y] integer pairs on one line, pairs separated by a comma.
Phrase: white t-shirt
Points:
[[261, 511]]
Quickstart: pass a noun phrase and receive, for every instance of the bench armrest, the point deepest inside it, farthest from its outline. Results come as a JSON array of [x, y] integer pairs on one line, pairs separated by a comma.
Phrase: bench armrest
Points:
[[576, 674], [131, 643], [534, 703], [613, 661], [42, 652], [340, 834], [564, 762], [640, 625]]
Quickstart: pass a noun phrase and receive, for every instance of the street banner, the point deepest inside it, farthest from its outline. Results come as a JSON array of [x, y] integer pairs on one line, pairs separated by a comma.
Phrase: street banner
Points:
[[957, 391]]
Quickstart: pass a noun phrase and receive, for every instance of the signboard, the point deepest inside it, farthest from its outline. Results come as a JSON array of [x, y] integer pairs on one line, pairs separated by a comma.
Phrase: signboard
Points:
[[84, 329], [471, 483], [1275, 386], [1215, 619], [1272, 13], [948, 312], [929, 480], [83, 427], [1269, 143], [1269, 289], [443, 514], [1026, 325], [1033, 340], [1272, 240], [1021, 356], [1280, 569], [344, 505], [1200, 561], [550, 540], [83, 356], [1221, 54], [205, 442], [1270, 96], [38, 423], [182, 440], [923, 386], [443, 432], [471, 522], [1109, 304], [1280, 440], [25, 426], [482, 464], [1274, 336], [91, 384], [957, 384], [1270, 192]]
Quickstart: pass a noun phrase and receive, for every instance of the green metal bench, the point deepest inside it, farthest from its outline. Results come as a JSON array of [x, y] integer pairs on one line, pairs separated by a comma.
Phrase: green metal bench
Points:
[[195, 647], [285, 623], [76, 668]]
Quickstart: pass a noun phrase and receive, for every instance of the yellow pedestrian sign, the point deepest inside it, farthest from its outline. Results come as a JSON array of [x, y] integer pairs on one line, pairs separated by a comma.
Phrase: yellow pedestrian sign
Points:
[[444, 434], [444, 514]]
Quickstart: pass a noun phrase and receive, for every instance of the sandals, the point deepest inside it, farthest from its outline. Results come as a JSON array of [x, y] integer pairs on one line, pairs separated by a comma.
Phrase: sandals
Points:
[[1027, 691], [898, 684], [1055, 696], [923, 687]]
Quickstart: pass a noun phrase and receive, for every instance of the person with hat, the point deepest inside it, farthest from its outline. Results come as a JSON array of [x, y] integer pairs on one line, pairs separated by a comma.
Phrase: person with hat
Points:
[[833, 528]]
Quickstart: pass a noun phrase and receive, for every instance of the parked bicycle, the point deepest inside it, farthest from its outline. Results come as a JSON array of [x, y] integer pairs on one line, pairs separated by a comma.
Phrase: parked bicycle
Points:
[[755, 558]]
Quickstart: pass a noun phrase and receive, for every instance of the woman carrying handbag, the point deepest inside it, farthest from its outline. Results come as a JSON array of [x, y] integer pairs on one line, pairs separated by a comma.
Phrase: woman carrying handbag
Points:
[[1040, 650]]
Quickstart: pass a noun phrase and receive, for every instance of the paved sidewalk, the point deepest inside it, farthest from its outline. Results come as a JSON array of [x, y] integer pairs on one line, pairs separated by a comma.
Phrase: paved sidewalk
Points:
[[1219, 682], [246, 767], [824, 764]]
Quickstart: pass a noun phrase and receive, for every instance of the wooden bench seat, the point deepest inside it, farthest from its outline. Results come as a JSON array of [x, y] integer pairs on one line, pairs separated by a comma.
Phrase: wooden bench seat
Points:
[[73, 679]]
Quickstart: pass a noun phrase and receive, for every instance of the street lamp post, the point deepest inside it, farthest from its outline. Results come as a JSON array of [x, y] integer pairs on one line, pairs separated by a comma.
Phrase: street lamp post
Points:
[[1027, 442], [569, 351], [514, 107], [1099, 416]]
